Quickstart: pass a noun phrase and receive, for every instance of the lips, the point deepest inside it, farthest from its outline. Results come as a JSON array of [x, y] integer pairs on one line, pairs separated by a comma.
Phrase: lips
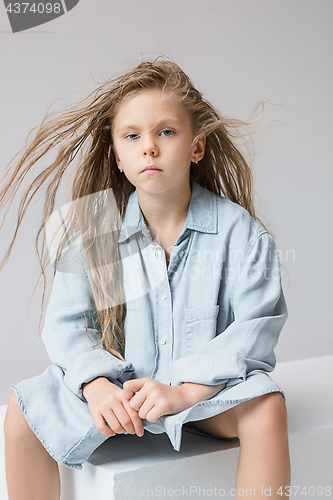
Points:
[[150, 167]]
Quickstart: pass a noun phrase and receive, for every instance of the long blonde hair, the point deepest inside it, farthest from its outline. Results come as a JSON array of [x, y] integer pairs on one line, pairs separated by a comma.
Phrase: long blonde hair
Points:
[[87, 129]]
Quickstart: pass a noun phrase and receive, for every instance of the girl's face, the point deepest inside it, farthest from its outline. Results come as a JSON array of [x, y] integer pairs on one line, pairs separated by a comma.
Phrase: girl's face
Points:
[[151, 131]]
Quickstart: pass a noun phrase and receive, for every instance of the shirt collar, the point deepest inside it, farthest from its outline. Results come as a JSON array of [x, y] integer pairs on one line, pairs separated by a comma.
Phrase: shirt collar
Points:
[[201, 214]]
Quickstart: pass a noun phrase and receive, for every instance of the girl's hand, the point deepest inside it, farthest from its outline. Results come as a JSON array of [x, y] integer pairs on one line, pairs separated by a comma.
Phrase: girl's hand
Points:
[[108, 405], [153, 399]]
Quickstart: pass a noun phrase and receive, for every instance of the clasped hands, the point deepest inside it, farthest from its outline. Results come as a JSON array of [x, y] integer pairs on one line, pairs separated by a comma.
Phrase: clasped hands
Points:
[[117, 410]]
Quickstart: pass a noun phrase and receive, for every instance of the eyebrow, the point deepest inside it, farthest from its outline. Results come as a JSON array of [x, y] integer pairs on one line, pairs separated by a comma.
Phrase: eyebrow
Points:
[[165, 121]]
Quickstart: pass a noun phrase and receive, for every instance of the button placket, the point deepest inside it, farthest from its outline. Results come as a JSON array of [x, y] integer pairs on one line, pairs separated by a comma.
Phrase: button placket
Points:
[[163, 340], [165, 329], [164, 324]]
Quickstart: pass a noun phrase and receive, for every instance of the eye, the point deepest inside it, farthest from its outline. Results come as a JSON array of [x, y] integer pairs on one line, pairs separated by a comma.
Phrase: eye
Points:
[[167, 132], [131, 137]]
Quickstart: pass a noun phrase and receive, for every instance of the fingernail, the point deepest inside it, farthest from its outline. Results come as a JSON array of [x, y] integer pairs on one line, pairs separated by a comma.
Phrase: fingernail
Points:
[[140, 434]]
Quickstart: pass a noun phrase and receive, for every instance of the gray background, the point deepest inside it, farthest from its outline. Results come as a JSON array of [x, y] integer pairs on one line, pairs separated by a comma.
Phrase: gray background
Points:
[[237, 52]]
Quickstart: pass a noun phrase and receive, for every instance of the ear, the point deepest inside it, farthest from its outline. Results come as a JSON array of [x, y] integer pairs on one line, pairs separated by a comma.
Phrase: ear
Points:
[[199, 148], [116, 155]]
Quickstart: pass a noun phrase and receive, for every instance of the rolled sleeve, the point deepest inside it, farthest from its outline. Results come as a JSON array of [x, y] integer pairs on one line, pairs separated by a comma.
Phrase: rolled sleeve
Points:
[[259, 312], [91, 365]]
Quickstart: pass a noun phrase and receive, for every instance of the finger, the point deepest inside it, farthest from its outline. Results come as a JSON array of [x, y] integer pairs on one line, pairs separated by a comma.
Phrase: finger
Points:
[[114, 422], [126, 417], [145, 408], [102, 426], [138, 399], [154, 414], [128, 392], [136, 420], [132, 386]]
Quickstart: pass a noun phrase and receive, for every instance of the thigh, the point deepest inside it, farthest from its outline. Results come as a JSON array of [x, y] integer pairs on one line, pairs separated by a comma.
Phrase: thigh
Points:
[[223, 425], [15, 422], [258, 414]]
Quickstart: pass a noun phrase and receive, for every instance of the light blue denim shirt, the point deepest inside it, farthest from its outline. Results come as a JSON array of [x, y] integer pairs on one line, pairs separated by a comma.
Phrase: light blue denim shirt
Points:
[[213, 315]]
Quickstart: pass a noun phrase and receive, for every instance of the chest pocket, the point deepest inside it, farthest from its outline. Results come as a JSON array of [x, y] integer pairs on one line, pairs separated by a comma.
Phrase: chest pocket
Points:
[[200, 327]]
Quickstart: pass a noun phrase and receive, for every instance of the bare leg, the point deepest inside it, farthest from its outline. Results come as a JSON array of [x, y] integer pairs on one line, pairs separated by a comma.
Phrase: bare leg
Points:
[[264, 463], [31, 473]]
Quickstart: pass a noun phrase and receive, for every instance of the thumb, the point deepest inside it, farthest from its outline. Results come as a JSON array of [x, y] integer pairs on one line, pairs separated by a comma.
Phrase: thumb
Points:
[[130, 387]]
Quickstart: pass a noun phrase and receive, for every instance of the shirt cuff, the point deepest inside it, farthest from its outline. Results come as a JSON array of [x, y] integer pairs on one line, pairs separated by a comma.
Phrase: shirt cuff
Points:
[[90, 365], [208, 369]]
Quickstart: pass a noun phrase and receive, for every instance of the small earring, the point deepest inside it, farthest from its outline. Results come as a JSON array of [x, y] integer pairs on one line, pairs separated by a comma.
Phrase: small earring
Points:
[[120, 170], [195, 161]]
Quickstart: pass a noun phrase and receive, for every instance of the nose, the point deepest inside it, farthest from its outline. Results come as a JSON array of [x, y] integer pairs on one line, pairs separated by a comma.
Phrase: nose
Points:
[[149, 147]]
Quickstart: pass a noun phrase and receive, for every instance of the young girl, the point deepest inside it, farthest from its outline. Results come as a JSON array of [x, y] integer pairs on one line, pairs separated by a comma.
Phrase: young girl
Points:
[[166, 303]]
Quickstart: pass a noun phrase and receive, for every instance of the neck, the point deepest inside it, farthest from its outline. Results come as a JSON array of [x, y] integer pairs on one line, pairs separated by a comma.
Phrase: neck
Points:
[[165, 211]]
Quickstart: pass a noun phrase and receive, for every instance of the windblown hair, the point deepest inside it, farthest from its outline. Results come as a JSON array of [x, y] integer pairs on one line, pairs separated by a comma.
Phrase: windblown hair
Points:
[[86, 128]]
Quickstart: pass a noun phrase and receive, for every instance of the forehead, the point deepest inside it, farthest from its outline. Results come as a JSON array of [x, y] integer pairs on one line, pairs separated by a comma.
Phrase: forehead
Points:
[[151, 104]]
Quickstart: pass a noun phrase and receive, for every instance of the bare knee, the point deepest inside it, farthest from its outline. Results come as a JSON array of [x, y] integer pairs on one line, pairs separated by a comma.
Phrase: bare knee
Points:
[[274, 409], [264, 415], [15, 424]]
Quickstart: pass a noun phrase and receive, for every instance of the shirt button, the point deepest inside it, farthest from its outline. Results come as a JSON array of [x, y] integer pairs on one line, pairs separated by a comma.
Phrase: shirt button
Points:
[[181, 253], [163, 341], [155, 255], [164, 296]]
